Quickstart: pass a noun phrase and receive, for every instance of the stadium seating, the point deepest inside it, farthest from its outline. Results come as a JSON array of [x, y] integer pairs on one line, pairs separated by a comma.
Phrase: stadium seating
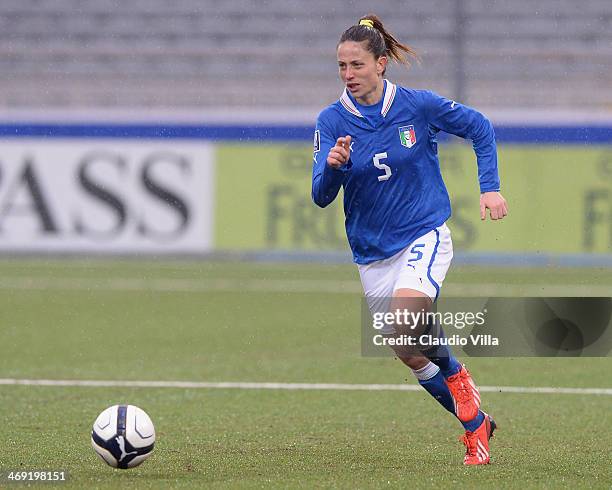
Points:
[[199, 53]]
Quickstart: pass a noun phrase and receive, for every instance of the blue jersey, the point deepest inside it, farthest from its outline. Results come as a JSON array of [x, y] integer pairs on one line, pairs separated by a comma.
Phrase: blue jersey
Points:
[[393, 187]]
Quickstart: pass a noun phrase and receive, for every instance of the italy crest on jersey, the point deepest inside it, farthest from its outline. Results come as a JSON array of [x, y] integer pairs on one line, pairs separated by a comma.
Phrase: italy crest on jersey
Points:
[[407, 136]]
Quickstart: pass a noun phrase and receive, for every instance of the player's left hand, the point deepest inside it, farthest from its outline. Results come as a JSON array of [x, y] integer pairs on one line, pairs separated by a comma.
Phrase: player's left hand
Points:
[[495, 203]]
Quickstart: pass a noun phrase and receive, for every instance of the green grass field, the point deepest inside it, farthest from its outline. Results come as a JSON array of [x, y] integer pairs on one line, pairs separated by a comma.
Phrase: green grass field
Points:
[[243, 322]]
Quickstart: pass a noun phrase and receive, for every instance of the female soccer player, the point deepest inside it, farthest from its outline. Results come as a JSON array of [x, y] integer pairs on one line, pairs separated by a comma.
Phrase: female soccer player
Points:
[[378, 142]]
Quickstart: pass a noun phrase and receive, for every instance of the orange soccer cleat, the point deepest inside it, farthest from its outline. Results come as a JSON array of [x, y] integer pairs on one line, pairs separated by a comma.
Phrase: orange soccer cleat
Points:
[[465, 395], [477, 442]]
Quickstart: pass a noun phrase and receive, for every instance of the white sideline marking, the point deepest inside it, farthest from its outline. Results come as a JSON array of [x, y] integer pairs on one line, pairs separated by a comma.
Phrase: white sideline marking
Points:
[[182, 285], [328, 286], [289, 386]]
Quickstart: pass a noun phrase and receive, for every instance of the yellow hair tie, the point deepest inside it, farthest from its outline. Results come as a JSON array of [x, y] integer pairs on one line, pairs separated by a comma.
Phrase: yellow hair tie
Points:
[[367, 22]]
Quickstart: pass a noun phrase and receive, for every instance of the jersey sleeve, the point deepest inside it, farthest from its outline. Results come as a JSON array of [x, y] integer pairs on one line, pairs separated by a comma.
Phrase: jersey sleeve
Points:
[[326, 181], [465, 122]]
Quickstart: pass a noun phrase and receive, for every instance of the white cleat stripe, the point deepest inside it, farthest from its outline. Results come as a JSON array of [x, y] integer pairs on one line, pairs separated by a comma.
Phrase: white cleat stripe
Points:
[[482, 449], [481, 456]]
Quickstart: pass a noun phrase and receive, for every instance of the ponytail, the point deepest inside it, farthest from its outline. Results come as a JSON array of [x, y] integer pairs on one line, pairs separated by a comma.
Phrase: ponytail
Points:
[[380, 42]]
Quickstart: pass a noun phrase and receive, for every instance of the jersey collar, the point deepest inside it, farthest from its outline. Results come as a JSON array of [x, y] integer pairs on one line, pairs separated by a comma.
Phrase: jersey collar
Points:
[[388, 97]]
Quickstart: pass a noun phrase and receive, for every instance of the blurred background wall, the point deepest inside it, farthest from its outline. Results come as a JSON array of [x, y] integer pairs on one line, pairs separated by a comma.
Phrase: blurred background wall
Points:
[[281, 53], [185, 127]]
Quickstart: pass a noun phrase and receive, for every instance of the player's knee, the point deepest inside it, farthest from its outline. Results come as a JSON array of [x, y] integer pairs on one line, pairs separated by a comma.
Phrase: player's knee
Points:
[[414, 362]]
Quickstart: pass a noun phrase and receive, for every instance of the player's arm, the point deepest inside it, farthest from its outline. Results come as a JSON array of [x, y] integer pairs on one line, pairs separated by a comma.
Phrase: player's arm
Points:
[[465, 122], [329, 168]]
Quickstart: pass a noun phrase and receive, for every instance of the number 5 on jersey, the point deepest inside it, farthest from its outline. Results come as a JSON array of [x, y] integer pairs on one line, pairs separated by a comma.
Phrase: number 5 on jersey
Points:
[[377, 158]]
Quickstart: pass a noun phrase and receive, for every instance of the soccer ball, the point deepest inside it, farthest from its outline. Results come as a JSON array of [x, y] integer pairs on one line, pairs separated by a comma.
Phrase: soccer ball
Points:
[[123, 436]]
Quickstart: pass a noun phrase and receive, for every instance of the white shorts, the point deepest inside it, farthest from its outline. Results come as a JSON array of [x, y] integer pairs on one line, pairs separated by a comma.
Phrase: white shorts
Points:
[[421, 266]]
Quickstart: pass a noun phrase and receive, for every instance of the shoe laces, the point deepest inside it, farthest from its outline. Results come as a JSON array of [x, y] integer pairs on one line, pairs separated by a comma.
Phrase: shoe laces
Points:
[[463, 391], [469, 439]]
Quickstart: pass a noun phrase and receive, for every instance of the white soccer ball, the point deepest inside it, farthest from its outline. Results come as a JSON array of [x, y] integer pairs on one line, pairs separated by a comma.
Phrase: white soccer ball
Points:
[[123, 436]]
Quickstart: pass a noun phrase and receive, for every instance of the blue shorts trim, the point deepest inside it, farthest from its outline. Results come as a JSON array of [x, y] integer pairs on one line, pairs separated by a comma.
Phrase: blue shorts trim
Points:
[[433, 257]]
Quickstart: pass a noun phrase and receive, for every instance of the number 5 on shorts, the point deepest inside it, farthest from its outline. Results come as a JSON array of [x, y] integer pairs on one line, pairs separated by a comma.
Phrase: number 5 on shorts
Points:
[[418, 254]]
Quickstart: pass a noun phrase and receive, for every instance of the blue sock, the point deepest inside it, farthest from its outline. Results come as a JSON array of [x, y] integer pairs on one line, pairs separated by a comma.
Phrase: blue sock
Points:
[[473, 424], [441, 355], [430, 377], [432, 380]]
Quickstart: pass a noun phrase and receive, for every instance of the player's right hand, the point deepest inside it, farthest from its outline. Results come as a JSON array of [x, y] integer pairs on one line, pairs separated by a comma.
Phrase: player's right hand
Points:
[[340, 154]]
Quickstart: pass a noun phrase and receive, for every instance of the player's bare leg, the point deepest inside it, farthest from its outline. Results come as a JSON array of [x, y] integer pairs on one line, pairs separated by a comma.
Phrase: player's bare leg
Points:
[[410, 356], [414, 362]]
